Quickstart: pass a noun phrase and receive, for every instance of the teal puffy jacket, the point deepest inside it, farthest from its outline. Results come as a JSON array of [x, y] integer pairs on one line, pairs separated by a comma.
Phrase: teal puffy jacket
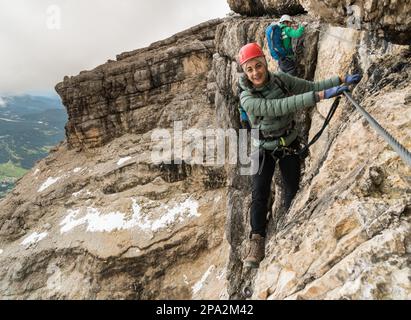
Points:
[[270, 110]]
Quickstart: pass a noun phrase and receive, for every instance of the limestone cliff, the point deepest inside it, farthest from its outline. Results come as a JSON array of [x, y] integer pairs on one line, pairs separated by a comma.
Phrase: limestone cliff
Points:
[[347, 234], [99, 219], [263, 7], [127, 95], [390, 18]]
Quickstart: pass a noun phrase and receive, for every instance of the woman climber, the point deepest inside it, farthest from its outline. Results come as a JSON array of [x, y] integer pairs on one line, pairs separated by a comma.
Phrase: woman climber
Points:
[[270, 101]]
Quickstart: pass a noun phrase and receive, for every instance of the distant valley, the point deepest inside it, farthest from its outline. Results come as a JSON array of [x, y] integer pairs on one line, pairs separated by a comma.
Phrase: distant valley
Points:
[[29, 127]]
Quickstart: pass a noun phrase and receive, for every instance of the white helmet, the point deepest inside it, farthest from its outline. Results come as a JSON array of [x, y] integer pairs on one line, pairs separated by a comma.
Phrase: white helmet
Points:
[[285, 18]]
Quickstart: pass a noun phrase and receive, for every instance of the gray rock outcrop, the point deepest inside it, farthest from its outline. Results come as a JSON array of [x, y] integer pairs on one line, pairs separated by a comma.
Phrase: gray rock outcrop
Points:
[[264, 7]]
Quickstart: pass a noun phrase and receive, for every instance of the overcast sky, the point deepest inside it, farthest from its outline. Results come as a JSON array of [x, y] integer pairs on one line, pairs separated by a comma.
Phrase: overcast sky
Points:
[[41, 41]]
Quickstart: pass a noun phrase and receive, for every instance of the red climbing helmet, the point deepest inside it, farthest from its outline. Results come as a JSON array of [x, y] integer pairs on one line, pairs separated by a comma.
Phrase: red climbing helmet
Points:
[[250, 51]]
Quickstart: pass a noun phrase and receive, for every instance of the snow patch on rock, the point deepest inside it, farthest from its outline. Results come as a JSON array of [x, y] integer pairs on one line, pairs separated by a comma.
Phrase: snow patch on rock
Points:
[[50, 181], [199, 285], [178, 213], [123, 160], [97, 221], [34, 238]]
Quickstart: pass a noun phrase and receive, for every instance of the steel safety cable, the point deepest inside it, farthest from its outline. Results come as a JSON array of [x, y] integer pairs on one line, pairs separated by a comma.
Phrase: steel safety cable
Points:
[[398, 147]]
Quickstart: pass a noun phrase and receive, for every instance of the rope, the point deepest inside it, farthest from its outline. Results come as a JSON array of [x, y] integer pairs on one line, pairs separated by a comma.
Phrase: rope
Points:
[[398, 147]]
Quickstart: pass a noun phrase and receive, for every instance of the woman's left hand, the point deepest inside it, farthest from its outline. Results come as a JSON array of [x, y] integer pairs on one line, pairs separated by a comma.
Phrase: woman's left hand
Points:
[[352, 79]]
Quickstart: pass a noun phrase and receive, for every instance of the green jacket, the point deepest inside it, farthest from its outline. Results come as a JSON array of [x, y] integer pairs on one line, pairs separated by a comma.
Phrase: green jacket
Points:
[[270, 110], [288, 33]]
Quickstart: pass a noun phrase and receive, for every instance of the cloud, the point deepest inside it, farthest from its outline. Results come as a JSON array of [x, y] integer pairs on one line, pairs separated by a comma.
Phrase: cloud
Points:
[[35, 55]]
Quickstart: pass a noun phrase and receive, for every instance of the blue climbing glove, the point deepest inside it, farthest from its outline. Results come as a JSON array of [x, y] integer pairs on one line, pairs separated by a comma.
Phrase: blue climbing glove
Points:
[[336, 91], [352, 78]]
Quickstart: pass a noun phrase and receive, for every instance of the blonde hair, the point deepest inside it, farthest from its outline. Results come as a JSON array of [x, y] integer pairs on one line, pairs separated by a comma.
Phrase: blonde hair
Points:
[[259, 59]]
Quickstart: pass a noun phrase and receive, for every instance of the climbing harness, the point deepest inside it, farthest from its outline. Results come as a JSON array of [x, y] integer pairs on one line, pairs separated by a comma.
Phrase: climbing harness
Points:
[[398, 147], [283, 146]]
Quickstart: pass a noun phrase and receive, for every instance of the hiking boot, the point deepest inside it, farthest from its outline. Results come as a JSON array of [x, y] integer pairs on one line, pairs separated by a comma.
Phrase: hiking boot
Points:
[[256, 253]]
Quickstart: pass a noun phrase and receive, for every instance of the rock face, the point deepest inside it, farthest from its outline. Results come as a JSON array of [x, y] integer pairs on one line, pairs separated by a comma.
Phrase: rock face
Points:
[[129, 95], [112, 226], [392, 17], [347, 234], [100, 219], [262, 7], [97, 218], [307, 258]]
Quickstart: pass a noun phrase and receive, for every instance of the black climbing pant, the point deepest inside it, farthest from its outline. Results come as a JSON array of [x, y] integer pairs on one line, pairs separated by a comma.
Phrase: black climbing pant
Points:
[[290, 168], [288, 65]]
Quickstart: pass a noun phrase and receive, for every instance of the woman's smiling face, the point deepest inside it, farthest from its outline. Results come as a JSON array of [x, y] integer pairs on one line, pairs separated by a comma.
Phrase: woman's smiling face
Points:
[[256, 71]]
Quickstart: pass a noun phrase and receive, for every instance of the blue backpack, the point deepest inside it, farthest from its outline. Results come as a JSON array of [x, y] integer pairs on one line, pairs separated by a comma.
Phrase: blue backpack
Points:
[[275, 41]]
